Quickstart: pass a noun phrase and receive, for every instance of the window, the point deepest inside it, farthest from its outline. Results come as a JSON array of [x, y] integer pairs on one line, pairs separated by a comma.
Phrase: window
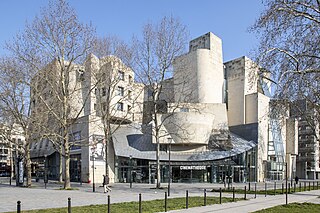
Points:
[[184, 109], [129, 108], [120, 75], [75, 140], [120, 91], [104, 92], [130, 79], [120, 106], [129, 94]]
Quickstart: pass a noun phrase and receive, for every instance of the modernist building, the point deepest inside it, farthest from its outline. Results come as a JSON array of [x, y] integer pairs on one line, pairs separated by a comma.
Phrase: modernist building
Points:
[[215, 122]]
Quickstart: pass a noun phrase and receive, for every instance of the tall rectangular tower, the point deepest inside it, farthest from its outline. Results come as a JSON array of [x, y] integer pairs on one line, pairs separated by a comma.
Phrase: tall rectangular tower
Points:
[[198, 75]]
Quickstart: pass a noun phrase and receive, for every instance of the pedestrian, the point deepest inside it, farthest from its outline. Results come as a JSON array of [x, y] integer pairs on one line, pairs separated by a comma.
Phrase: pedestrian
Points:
[[296, 179], [105, 184]]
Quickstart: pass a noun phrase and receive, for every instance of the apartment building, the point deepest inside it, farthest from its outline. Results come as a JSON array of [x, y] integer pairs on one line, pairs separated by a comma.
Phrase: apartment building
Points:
[[99, 89], [307, 162]]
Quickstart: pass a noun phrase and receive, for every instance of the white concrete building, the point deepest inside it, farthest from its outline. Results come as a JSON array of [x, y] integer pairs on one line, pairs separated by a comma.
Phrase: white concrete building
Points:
[[98, 85], [215, 120]]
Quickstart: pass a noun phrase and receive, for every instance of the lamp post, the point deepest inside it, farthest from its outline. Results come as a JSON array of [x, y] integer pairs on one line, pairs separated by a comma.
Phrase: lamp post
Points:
[[45, 172], [130, 172], [80, 172], [10, 165], [249, 174], [93, 184], [286, 184], [169, 141]]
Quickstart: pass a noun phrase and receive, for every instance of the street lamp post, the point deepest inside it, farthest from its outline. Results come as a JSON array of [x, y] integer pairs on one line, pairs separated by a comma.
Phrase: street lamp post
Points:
[[45, 172], [249, 174], [130, 172], [10, 165], [93, 183], [286, 184], [80, 172], [169, 141]]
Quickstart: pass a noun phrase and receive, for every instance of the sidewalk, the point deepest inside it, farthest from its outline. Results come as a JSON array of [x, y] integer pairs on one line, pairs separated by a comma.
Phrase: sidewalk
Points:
[[39, 198]]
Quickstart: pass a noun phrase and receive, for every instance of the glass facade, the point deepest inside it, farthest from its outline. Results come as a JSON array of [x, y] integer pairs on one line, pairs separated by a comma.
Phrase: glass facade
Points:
[[233, 169]]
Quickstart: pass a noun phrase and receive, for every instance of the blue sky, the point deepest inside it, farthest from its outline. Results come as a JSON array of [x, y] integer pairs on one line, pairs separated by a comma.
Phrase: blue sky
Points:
[[228, 19]]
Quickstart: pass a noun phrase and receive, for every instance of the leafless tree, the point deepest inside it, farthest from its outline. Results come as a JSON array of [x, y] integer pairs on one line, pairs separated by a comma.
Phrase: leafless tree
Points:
[[15, 106], [116, 95], [152, 61], [289, 38], [49, 47]]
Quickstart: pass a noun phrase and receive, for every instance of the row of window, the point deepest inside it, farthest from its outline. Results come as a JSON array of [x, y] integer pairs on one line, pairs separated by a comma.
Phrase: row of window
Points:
[[120, 92], [119, 107]]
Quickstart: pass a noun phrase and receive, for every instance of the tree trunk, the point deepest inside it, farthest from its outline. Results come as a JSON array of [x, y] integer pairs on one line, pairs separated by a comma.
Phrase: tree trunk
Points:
[[158, 163], [60, 166], [67, 184], [107, 138], [28, 165]]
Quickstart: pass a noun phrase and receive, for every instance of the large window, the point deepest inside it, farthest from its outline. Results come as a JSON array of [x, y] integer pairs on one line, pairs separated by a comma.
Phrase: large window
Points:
[[75, 140]]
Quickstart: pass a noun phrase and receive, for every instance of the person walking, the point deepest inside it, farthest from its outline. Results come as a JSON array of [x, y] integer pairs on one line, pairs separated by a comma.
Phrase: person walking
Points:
[[105, 184]]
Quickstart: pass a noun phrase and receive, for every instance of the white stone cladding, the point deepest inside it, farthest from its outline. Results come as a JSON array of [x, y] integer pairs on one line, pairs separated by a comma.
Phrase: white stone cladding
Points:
[[198, 75]]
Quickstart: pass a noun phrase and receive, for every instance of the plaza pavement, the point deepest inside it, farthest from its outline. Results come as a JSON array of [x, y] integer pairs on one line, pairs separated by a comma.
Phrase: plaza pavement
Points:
[[39, 198]]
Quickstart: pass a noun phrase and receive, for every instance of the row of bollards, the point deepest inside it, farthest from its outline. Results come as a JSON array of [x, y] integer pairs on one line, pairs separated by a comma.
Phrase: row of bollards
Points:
[[288, 190], [69, 206]]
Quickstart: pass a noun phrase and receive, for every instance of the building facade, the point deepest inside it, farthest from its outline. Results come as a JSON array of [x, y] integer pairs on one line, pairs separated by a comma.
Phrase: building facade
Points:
[[216, 122]]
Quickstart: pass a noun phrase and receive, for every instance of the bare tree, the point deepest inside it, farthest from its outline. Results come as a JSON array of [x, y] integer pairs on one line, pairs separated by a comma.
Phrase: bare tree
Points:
[[289, 38], [50, 47], [15, 107], [152, 61], [116, 92]]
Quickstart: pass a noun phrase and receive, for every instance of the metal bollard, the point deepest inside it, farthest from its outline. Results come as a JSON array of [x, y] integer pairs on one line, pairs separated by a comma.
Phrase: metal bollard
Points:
[[165, 201], [204, 197], [140, 205], [255, 190], [309, 186], [305, 186], [220, 195], [233, 195], [294, 190], [300, 187], [275, 188], [282, 188], [265, 189], [18, 206], [313, 185], [245, 192], [108, 203], [69, 205], [289, 188], [317, 185], [187, 199]]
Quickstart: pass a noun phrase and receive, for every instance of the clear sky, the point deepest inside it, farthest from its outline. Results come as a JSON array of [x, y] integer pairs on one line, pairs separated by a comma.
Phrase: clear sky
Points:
[[228, 19]]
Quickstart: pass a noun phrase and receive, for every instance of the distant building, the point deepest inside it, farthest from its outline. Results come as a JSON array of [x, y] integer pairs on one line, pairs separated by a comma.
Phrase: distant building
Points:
[[307, 165]]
